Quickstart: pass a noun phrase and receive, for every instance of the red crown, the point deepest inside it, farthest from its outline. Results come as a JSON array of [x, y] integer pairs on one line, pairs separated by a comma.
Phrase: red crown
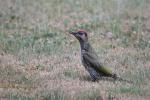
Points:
[[83, 31]]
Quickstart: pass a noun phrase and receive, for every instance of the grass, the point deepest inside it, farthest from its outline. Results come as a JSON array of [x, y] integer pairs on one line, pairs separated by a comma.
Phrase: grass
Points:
[[131, 90], [16, 96], [54, 95], [16, 42], [89, 95], [70, 73], [40, 60]]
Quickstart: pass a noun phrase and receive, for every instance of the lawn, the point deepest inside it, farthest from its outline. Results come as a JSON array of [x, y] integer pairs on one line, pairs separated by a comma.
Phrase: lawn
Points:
[[40, 60]]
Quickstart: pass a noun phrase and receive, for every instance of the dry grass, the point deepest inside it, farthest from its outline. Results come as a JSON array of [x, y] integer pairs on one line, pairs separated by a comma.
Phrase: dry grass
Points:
[[39, 60]]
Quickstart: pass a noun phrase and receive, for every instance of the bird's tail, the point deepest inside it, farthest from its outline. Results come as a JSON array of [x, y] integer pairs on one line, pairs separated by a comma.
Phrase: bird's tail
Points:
[[122, 79]]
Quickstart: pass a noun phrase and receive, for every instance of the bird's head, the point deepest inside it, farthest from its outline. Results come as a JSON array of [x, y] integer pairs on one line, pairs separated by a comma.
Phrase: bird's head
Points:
[[81, 35]]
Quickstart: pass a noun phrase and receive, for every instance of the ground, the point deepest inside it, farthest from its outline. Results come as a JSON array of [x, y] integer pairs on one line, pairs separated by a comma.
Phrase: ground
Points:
[[40, 60]]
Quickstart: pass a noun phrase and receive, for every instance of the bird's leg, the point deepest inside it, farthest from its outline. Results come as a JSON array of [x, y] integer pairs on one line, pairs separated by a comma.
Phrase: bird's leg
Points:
[[114, 76], [94, 75]]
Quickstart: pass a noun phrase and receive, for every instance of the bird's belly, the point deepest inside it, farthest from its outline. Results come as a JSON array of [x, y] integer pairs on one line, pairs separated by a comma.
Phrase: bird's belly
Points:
[[85, 64]]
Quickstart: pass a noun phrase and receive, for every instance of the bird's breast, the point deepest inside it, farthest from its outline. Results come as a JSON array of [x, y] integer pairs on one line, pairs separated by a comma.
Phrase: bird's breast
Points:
[[83, 61]]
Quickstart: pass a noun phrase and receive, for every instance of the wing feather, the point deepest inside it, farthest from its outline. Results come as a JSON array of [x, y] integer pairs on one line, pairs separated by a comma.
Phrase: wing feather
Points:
[[93, 61]]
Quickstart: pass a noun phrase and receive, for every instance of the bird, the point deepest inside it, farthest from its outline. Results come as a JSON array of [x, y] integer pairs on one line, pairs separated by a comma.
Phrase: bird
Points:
[[90, 59]]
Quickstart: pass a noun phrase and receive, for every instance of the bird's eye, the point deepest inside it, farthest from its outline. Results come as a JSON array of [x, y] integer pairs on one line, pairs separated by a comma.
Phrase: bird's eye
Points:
[[80, 33]]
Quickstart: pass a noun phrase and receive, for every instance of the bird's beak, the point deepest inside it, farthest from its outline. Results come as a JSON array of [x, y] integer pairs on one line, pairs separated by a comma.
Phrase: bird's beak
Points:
[[73, 33]]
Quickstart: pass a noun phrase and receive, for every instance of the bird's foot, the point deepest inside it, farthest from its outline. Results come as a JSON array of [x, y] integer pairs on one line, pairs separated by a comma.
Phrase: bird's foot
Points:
[[94, 80], [114, 76]]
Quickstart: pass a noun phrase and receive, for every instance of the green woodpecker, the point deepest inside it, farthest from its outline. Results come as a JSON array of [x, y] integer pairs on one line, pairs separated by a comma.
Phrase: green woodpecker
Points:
[[90, 59]]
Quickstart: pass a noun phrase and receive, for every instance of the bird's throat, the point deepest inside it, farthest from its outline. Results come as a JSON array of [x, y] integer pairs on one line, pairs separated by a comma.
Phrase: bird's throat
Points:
[[85, 45]]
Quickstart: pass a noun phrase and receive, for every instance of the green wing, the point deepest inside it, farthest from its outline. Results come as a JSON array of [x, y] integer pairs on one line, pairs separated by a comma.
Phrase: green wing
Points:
[[92, 60]]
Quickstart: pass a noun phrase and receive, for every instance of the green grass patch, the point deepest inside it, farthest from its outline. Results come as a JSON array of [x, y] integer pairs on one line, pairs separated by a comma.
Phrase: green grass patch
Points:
[[18, 96], [139, 76], [54, 95], [48, 43], [93, 94], [130, 90]]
